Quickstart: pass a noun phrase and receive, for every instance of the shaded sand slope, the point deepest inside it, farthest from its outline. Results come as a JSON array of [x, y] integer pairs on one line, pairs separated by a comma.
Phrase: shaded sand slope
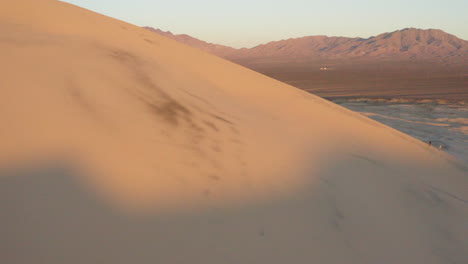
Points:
[[122, 146]]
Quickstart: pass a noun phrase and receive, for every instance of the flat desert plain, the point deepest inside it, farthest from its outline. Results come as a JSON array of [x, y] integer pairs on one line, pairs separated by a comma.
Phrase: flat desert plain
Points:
[[369, 78], [443, 123]]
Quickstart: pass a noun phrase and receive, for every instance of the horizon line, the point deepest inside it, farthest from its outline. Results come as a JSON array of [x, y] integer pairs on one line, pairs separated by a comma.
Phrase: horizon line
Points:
[[299, 37]]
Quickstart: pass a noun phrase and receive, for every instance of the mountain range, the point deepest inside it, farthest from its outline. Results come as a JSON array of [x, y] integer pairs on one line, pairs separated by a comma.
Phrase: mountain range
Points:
[[408, 43], [410, 63]]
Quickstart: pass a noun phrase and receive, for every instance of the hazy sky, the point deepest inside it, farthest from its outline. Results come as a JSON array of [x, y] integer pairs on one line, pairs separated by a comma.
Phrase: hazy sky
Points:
[[246, 23]]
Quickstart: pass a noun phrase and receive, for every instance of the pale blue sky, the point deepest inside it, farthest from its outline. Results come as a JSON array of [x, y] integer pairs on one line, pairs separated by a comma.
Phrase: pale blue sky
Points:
[[246, 23]]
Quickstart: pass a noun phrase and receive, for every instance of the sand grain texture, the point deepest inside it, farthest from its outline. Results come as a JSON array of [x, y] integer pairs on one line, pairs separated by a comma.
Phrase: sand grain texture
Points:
[[122, 146]]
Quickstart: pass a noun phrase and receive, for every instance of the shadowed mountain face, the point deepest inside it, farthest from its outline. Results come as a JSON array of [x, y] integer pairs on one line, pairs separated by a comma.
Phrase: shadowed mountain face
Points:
[[406, 43]]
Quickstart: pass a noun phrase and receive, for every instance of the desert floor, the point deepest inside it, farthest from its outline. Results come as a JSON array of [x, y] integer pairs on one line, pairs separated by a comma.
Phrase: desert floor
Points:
[[389, 78], [445, 124]]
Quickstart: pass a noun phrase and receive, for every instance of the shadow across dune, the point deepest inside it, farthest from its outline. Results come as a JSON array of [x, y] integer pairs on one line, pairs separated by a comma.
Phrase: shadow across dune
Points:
[[359, 216]]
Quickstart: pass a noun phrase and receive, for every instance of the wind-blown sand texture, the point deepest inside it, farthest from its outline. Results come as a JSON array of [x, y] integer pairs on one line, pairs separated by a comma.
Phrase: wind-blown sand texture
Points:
[[122, 146]]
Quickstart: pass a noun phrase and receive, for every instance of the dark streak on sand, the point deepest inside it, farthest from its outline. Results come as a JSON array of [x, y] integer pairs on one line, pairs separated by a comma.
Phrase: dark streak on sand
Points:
[[372, 161], [80, 99], [166, 107], [197, 122], [453, 196]]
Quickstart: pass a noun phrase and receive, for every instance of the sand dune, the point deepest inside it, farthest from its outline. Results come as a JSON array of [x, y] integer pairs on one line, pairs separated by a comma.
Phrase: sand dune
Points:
[[122, 146]]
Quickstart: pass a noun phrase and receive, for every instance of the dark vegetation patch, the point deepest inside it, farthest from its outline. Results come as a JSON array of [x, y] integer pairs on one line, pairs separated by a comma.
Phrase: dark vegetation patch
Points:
[[456, 45], [404, 48], [387, 36], [430, 40]]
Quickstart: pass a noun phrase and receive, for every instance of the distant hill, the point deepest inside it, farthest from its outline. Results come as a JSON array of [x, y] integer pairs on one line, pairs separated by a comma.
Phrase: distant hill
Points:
[[220, 50], [408, 43]]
